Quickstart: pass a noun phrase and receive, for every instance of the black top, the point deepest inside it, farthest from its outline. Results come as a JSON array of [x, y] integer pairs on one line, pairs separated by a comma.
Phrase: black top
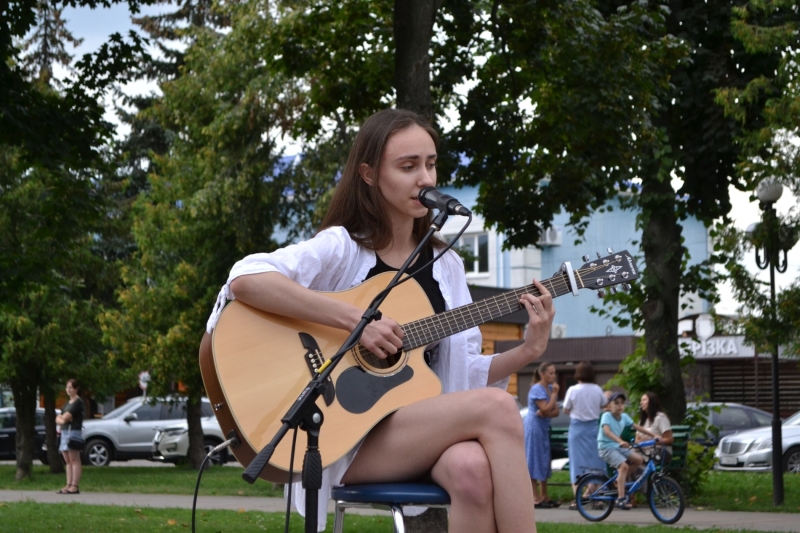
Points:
[[76, 410], [424, 278]]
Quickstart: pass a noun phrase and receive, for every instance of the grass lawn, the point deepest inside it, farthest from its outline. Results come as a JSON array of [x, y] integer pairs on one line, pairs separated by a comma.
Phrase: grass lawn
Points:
[[74, 517], [726, 491], [747, 491], [216, 481]]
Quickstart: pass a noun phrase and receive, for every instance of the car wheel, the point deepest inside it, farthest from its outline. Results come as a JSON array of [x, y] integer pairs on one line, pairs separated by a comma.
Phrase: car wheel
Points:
[[97, 452], [219, 458], [791, 460]]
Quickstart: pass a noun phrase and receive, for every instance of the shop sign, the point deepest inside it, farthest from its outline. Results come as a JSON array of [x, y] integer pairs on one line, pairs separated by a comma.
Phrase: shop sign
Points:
[[721, 347]]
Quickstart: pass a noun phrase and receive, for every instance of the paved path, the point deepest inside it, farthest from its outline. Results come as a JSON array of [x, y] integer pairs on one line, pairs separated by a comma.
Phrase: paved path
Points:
[[777, 522]]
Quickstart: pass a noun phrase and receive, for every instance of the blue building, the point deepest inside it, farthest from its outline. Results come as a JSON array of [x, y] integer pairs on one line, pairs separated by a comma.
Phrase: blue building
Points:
[[509, 269], [577, 333]]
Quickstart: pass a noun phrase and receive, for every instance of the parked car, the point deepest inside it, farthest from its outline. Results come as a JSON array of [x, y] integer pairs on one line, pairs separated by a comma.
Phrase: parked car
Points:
[[8, 434], [127, 432], [557, 449], [752, 450], [731, 418], [172, 444]]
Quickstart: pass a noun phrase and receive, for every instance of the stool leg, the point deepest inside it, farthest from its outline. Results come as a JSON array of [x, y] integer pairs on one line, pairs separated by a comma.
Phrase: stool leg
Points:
[[338, 522], [397, 516]]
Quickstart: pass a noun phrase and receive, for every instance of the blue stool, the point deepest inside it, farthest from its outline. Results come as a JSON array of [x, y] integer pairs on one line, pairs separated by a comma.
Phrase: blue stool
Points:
[[387, 495]]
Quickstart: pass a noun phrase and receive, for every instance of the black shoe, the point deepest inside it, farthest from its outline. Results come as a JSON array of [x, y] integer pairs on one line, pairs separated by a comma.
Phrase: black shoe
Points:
[[542, 505], [554, 504]]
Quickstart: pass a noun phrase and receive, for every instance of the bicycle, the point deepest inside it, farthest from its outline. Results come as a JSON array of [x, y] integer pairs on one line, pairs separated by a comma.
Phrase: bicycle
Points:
[[664, 495]]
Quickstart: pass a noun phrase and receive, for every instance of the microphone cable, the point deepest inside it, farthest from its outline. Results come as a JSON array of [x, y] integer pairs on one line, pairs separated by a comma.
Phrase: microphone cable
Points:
[[289, 484], [233, 441]]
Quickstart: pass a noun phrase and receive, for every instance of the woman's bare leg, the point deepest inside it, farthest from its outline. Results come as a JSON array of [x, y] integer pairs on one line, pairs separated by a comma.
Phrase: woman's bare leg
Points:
[[66, 467], [465, 465], [411, 442], [76, 467], [537, 497]]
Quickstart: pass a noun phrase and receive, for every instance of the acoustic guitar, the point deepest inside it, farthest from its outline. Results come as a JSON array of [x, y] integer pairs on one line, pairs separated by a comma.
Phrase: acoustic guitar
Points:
[[257, 363]]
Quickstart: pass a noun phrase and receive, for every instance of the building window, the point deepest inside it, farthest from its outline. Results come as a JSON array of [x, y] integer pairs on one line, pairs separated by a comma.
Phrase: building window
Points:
[[474, 249]]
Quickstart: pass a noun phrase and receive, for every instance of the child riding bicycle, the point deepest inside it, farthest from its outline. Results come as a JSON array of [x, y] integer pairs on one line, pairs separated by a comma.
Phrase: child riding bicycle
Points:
[[614, 450]]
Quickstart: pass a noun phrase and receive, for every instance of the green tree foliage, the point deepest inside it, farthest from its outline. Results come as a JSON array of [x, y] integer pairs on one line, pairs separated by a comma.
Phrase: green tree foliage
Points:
[[541, 137], [213, 197], [51, 216], [46, 45], [767, 151], [56, 128], [48, 324]]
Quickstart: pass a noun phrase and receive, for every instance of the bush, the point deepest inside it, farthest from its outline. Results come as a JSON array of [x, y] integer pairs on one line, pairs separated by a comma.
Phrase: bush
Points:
[[699, 462]]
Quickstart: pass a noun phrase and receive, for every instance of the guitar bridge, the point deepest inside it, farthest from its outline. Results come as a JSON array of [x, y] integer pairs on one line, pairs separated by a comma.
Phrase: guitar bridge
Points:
[[314, 359]]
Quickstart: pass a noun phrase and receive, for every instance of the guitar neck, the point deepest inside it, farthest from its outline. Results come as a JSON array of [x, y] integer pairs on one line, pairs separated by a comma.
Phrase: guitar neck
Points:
[[433, 328]]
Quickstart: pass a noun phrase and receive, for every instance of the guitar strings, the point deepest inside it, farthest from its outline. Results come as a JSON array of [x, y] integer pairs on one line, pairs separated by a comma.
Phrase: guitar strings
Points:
[[429, 329]]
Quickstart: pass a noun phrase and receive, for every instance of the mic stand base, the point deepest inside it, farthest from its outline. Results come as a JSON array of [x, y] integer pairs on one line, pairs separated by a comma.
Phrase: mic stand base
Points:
[[312, 466]]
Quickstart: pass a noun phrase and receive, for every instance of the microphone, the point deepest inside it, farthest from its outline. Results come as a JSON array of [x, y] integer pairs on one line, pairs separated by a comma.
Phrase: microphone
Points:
[[433, 198]]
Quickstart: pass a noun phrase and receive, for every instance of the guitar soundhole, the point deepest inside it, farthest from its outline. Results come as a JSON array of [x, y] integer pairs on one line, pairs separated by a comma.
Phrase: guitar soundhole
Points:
[[374, 364]]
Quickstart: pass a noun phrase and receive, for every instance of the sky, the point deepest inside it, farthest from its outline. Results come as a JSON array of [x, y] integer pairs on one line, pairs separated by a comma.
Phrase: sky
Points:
[[95, 25]]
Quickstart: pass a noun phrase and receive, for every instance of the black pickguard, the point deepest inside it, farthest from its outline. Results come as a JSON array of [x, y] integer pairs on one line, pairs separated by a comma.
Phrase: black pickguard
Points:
[[358, 391]]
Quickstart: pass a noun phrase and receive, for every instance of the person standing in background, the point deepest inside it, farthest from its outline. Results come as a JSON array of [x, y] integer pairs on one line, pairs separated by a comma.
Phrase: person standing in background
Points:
[[71, 422], [542, 406], [583, 403]]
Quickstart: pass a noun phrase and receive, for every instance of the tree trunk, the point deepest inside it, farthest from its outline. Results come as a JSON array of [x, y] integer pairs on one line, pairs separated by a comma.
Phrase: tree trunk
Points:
[[196, 449], [431, 521], [50, 436], [413, 29], [25, 402], [663, 254]]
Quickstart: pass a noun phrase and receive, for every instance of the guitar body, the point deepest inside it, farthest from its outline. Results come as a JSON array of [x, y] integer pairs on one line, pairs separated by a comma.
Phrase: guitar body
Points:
[[256, 365]]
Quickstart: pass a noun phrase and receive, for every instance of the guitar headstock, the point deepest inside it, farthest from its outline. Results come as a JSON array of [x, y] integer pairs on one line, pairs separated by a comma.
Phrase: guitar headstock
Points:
[[607, 272]]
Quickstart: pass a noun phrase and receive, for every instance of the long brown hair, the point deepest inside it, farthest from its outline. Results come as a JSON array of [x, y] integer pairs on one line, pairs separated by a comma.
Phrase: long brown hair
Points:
[[360, 207], [653, 408]]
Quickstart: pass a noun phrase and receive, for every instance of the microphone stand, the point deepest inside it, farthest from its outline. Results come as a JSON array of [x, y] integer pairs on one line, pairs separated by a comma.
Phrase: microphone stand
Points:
[[305, 413]]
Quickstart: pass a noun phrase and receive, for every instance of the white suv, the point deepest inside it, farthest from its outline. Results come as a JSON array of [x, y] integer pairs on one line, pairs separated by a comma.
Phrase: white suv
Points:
[[172, 444], [127, 432]]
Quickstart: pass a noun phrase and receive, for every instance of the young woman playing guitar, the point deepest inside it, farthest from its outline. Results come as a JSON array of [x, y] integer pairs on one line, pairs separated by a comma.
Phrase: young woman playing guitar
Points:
[[469, 440]]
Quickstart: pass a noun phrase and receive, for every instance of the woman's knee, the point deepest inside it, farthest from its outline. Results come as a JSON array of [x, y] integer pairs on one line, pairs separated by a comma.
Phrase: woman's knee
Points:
[[498, 409], [468, 474]]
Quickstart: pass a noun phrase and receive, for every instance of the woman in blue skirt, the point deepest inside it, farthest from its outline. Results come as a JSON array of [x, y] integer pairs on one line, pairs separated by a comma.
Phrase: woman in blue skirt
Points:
[[542, 406], [583, 403]]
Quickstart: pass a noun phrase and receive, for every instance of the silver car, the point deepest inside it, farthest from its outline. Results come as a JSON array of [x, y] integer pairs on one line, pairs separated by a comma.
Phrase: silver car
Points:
[[127, 432], [752, 450], [171, 444]]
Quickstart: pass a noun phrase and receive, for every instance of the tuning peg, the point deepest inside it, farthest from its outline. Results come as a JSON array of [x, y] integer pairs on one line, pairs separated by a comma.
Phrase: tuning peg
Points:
[[601, 294], [585, 258], [626, 287], [610, 251], [612, 290], [598, 255]]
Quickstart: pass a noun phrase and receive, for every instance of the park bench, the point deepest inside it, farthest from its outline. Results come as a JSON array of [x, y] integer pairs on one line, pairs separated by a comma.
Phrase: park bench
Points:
[[558, 438]]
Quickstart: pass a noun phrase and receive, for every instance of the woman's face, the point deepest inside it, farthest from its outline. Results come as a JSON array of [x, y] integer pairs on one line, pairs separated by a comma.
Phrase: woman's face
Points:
[[408, 164], [644, 402], [69, 388], [549, 375]]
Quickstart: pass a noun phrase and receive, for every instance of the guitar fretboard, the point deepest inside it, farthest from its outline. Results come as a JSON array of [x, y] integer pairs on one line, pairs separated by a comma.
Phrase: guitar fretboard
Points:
[[435, 327]]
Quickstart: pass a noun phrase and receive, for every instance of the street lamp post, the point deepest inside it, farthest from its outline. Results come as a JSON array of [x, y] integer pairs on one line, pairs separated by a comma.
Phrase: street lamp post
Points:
[[768, 254]]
